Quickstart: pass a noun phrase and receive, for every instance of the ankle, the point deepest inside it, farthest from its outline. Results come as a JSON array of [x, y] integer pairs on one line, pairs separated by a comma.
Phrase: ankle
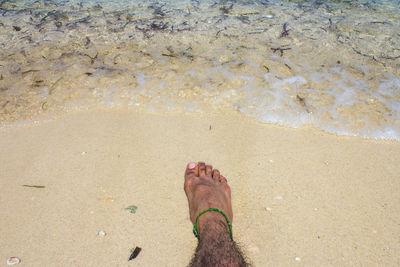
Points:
[[212, 223]]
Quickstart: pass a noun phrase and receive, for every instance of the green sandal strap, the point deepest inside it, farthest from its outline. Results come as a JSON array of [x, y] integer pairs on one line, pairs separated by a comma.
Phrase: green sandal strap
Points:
[[196, 234]]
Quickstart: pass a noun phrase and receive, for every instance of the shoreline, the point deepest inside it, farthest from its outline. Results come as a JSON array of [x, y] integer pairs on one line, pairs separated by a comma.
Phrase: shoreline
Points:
[[328, 200], [49, 118]]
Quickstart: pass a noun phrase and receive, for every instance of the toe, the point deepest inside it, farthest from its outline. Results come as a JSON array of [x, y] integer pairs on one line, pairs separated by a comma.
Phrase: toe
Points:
[[208, 170], [222, 179], [202, 168], [215, 174], [191, 170]]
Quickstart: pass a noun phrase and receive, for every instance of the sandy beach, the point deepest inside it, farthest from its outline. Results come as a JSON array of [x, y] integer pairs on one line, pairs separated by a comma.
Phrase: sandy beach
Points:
[[103, 103], [300, 197]]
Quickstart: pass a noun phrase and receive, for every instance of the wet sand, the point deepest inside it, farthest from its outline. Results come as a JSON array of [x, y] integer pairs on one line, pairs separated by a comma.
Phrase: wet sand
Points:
[[300, 196]]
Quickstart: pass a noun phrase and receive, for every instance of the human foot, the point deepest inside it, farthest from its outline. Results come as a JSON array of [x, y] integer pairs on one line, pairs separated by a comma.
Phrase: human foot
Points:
[[206, 188]]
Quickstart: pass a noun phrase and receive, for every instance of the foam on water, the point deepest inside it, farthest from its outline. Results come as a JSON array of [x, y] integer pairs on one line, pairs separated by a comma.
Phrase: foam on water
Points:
[[334, 64]]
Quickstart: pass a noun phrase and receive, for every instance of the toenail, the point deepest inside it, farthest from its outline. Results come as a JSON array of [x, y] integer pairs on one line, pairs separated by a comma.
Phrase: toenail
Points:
[[191, 165]]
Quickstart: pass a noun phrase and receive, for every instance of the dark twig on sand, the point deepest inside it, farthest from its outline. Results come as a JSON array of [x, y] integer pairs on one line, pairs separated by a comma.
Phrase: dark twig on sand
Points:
[[92, 59], [218, 32], [168, 55], [135, 253], [33, 186], [287, 66], [53, 87]]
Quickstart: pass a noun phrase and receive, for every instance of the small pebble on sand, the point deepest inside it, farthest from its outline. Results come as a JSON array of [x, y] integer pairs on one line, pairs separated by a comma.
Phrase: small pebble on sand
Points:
[[84, 153], [101, 233], [268, 209], [13, 260], [297, 259], [278, 198]]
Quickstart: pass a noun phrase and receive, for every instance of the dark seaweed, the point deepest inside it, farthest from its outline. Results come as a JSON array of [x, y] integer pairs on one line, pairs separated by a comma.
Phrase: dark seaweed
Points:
[[74, 24], [285, 32], [158, 26], [226, 10], [280, 49], [302, 101], [87, 41], [244, 19]]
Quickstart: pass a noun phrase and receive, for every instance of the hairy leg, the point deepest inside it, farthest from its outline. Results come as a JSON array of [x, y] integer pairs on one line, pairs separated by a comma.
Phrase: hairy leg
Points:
[[216, 248], [206, 188]]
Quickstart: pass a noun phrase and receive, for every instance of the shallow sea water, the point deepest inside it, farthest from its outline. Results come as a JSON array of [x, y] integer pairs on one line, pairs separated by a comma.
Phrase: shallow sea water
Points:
[[331, 64]]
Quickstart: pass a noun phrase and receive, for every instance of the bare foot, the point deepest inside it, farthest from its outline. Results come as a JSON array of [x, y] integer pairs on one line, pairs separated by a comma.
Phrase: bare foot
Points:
[[206, 188]]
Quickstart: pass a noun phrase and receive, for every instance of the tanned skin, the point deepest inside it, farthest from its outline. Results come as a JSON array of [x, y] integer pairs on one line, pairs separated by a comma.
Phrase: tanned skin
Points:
[[206, 188]]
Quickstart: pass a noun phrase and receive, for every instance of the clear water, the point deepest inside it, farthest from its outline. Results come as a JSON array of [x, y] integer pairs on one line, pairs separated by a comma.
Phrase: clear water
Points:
[[331, 64]]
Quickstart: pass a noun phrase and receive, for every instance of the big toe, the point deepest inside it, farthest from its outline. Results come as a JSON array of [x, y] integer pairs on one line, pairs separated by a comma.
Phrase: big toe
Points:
[[192, 169]]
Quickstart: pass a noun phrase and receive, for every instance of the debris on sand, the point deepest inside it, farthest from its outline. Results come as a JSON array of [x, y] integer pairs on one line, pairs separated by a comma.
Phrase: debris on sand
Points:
[[13, 260], [135, 253], [34, 186], [101, 233], [132, 209]]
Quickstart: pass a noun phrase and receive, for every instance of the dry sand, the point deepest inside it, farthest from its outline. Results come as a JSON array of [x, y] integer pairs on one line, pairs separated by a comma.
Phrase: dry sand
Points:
[[331, 201]]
